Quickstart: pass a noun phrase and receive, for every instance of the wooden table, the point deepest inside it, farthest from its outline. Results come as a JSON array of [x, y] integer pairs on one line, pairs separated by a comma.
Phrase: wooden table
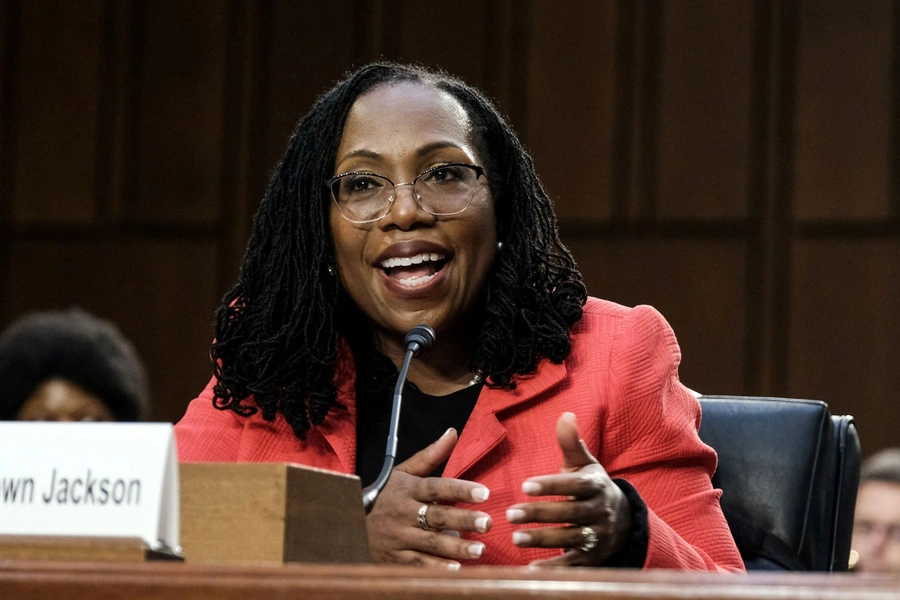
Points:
[[26, 580]]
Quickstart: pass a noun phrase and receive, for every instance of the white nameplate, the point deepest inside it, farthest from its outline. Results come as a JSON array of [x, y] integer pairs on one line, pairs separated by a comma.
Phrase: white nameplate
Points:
[[90, 479]]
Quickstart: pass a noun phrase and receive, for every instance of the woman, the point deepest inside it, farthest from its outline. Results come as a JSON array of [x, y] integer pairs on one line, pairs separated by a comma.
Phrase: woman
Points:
[[70, 366], [404, 198]]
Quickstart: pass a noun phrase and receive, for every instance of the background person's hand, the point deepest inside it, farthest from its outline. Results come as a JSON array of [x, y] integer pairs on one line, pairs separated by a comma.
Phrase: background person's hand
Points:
[[591, 501], [394, 533]]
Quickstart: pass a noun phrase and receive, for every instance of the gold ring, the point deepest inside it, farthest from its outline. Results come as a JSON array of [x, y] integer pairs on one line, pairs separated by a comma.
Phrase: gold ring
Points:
[[589, 539], [420, 518]]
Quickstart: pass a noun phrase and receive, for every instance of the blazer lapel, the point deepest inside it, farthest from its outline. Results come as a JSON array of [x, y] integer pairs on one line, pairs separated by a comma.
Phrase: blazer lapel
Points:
[[339, 428], [484, 430], [339, 431]]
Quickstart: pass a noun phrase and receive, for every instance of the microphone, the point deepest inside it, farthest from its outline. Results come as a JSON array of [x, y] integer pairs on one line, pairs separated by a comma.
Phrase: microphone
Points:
[[419, 340]]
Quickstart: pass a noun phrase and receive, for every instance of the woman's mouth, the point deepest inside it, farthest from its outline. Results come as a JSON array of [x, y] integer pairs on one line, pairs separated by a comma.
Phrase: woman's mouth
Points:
[[414, 271]]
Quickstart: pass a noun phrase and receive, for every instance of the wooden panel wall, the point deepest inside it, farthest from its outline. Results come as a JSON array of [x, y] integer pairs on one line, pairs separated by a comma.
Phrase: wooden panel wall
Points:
[[734, 163], [178, 113]]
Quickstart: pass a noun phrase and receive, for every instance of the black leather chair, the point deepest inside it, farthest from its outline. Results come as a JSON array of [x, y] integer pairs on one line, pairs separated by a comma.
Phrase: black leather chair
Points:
[[789, 472]]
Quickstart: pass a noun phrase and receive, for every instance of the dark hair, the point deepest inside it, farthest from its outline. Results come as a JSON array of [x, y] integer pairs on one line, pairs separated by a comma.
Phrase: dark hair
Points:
[[277, 335], [882, 466], [75, 346]]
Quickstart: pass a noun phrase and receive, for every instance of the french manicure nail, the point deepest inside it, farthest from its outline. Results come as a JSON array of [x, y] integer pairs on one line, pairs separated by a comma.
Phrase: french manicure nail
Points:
[[480, 494], [481, 523], [530, 487], [476, 549], [520, 537], [515, 514], [446, 433], [454, 566]]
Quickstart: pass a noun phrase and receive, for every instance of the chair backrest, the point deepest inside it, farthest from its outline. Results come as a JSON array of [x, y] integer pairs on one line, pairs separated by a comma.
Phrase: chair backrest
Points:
[[789, 471]]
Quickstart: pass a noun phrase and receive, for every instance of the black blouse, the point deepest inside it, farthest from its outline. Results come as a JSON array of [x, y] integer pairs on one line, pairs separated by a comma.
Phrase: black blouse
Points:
[[423, 419]]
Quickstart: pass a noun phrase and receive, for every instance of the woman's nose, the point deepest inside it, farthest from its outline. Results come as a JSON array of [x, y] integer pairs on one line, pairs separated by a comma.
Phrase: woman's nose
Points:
[[406, 212]]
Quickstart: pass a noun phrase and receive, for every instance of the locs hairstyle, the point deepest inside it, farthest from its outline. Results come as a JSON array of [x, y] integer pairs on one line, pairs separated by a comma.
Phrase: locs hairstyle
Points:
[[279, 329]]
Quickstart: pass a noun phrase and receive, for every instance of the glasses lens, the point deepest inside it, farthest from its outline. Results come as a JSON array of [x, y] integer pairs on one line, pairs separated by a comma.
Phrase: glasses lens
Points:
[[448, 189], [361, 196]]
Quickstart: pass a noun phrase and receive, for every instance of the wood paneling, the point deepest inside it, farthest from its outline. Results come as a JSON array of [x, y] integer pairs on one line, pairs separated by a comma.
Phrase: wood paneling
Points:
[[698, 285], [291, 79], [692, 149], [455, 37], [704, 110], [570, 104], [160, 293], [844, 112], [9, 22], [179, 118], [6, 24], [56, 101], [845, 329]]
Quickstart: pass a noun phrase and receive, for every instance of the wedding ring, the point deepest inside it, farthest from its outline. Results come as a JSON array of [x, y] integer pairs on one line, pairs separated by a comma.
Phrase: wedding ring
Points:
[[590, 539], [423, 524]]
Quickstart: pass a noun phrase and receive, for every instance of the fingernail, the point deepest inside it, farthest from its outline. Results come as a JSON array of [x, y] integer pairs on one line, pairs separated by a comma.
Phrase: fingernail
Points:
[[476, 549], [480, 494], [454, 566], [481, 523], [515, 514], [530, 487], [446, 433], [520, 537]]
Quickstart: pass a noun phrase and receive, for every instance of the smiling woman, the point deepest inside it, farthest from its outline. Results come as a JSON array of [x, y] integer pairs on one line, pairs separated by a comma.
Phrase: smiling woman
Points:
[[416, 133], [404, 198]]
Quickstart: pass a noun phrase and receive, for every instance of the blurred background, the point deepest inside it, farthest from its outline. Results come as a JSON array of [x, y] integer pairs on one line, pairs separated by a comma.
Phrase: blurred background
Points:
[[734, 163]]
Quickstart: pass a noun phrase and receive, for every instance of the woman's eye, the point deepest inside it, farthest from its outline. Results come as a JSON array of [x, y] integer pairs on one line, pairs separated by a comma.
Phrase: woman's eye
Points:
[[360, 183], [444, 174]]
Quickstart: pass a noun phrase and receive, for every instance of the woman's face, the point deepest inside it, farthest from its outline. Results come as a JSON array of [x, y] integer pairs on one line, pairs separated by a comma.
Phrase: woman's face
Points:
[[60, 400], [398, 131]]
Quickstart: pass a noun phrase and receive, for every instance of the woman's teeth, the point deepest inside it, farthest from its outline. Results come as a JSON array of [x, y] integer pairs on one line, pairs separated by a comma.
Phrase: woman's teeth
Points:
[[406, 261], [416, 281]]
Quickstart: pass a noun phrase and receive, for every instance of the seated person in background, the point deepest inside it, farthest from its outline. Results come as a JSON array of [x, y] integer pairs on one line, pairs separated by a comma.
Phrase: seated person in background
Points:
[[876, 525], [69, 366], [563, 435]]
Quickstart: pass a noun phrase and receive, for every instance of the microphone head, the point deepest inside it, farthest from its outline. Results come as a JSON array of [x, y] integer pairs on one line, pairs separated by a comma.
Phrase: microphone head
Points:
[[419, 339]]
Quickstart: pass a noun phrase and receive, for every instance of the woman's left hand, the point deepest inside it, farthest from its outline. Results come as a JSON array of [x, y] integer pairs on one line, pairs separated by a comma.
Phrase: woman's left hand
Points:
[[596, 512]]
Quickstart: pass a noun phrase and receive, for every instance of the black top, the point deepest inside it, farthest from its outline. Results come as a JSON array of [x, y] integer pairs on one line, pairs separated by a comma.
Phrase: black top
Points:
[[424, 418]]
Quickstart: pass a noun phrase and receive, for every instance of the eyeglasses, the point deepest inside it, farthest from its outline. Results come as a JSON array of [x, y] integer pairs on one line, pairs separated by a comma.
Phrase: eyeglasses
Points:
[[441, 191]]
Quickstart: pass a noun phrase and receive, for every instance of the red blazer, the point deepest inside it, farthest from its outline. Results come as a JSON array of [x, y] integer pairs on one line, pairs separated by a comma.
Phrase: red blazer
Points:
[[620, 380]]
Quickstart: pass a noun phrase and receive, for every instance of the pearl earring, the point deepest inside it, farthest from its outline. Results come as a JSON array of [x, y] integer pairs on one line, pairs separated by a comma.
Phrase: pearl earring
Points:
[[499, 246], [331, 270]]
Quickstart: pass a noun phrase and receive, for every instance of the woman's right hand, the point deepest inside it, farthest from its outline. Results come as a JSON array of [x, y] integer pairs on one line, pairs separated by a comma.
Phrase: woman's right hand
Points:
[[393, 529]]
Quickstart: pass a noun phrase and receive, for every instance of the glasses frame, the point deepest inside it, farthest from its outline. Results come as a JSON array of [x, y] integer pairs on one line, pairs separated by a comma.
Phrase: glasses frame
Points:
[[329, 183]]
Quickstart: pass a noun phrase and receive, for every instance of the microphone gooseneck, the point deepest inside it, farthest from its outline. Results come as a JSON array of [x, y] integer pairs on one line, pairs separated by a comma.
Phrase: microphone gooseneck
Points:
[[419, 340]]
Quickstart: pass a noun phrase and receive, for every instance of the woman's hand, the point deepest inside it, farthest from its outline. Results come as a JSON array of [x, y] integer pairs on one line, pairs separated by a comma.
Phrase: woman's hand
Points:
[[395, 534], [596, 513]]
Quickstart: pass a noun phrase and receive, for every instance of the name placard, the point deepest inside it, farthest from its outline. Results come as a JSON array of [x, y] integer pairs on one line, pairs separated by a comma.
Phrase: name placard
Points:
[[90, 479]]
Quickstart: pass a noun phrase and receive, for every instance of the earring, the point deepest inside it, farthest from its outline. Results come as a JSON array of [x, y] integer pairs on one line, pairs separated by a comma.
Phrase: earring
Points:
[[331, 270], [499, 246]]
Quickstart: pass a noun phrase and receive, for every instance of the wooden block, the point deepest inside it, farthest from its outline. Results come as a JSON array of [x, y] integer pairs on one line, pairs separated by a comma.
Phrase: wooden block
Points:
[[270, 513]]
